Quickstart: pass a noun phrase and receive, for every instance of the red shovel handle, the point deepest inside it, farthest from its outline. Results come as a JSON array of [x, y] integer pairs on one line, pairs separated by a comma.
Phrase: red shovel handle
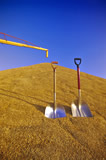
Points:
[[77, 61], [78, 74]]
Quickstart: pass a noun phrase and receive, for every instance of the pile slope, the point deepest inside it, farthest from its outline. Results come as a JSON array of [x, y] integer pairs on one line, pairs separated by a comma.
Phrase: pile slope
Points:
[[25, 133]]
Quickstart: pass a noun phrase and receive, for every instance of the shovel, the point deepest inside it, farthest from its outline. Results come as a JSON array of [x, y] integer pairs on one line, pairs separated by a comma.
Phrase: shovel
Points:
[[79, 109], [54, 111]]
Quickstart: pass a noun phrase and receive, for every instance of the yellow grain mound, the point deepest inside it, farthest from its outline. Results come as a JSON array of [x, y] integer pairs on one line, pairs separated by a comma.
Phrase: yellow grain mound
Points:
[[26, 134]]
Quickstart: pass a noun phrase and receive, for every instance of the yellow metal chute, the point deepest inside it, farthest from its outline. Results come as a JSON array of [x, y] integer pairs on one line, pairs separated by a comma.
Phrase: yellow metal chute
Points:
[[23, 45]]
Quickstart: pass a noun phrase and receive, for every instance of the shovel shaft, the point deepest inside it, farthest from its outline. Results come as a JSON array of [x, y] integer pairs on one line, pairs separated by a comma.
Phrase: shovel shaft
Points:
[[54, 66], [79, 98], [78, 75], [54, 88], [79, 90], [77, 61]]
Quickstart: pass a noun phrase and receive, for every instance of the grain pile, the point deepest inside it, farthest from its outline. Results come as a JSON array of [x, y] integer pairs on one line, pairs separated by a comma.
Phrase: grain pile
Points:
[[26, 134]]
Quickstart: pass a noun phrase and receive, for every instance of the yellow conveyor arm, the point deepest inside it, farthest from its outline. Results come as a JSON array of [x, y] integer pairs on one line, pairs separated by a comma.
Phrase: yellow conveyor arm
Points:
[[23, 45]]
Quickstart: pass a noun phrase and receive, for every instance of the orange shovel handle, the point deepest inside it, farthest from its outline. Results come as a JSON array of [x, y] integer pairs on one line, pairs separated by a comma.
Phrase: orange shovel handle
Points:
[[52, 63]]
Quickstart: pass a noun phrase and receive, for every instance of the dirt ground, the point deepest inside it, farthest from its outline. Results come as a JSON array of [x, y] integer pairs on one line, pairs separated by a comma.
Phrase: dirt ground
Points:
[[26, 134]]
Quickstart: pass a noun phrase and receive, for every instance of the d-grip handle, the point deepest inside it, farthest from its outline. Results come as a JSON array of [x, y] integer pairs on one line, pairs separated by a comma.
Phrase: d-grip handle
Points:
[[54, 64], [76, 60]]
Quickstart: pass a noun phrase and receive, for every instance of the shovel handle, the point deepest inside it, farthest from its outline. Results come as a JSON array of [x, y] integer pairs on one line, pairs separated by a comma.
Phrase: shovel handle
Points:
[[76, 60], [53, 64]]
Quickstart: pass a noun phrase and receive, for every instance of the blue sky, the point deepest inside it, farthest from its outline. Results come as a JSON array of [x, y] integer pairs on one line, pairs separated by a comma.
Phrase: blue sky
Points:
[[69, 29]]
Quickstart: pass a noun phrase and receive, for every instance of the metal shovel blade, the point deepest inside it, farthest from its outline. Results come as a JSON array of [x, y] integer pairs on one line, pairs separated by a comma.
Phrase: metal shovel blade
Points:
[[85, 111], [60, 112], [57, 113], [49, 112], [75, 111], [80, 111]]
